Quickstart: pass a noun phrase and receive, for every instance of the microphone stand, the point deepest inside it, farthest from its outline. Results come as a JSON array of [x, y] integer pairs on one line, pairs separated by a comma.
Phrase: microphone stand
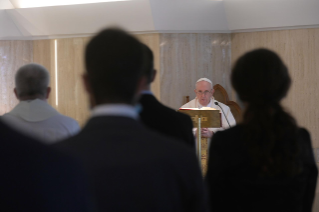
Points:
[[216, 103]]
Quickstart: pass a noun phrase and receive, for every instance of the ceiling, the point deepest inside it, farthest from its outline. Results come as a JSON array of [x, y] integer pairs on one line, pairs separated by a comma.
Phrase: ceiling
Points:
[[146, 16]]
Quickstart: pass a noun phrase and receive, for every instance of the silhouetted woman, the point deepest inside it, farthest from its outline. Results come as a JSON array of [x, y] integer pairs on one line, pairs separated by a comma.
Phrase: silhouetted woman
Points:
[[266, 163]]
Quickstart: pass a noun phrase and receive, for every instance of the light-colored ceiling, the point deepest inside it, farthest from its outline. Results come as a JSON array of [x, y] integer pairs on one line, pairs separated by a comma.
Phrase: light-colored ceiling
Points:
[[140, 16]]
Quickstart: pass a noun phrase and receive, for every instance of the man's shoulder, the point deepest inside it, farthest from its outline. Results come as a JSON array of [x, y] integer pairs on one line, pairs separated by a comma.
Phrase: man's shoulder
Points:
[[163, 111], [184, 118], [167, 143], [142, 137], [65, 120], [173, 113], [190, 104], [150, 103]]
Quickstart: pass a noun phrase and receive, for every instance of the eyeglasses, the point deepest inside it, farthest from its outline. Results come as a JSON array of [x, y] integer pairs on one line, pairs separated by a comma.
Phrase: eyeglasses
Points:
[[201, 92]]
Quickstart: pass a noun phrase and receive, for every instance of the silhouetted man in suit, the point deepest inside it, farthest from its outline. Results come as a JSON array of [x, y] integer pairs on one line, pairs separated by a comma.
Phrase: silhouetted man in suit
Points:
[[36, 178], [130, 167], [157, 116]]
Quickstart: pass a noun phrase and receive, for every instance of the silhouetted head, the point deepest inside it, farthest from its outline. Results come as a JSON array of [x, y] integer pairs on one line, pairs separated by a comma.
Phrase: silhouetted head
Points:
[[261, 80], [114, 63], [260, 77]]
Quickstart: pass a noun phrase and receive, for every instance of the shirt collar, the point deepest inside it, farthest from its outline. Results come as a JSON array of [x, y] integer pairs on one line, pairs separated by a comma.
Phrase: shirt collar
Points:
[[115, 110], [147, 92]]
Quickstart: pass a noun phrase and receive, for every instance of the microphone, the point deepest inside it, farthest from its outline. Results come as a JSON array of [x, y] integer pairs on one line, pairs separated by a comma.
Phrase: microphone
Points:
[[216, 103]]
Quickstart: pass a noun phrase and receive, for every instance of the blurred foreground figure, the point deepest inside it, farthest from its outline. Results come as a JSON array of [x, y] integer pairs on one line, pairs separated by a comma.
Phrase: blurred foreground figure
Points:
[[266, 163], [157, 116], [33, 116], [36, 178], [130, 167]]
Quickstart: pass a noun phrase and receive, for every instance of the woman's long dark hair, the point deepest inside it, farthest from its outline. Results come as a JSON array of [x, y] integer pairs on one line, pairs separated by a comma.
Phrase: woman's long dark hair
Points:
[[261, 80]]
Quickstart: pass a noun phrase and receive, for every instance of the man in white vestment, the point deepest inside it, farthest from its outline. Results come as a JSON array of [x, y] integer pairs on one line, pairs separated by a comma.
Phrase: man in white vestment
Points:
[[204, 98], [33, 116]]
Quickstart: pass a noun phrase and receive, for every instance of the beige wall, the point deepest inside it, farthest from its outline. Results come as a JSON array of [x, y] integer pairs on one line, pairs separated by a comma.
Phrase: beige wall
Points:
[[300, 51]]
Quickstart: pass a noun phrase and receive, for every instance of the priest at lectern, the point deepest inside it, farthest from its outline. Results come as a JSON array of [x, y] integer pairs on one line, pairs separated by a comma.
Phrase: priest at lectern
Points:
[[204, 100]]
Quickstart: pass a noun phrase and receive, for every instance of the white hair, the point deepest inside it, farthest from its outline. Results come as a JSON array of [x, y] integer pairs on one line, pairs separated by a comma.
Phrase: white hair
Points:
[[206, 80], [31, 80]]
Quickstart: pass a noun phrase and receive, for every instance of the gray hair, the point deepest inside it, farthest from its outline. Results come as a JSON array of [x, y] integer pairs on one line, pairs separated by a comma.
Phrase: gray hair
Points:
[[32, 80]]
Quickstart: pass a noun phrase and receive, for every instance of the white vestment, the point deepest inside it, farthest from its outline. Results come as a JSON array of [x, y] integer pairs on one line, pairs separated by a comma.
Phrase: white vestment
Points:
[[195, 104], [36, 118]]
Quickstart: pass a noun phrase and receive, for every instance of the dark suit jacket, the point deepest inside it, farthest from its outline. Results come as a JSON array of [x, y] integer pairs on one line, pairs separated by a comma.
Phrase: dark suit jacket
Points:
[[134, 169], [236, 186], [36, 178], [165, 120]]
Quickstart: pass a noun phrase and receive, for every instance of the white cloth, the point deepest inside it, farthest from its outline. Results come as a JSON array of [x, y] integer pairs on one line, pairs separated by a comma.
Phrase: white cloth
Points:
[[195, 104], [115, 110], [38, 119]]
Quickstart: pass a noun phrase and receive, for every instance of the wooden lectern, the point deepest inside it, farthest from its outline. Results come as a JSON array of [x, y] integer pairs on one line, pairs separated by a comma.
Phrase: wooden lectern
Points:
[[203, 119]]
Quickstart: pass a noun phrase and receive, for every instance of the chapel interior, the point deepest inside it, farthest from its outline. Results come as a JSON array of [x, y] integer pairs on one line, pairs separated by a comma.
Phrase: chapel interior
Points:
[[190, 39]]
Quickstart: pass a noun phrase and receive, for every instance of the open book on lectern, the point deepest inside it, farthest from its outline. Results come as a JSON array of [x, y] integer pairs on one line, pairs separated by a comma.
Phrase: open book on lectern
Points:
[[210, 117]]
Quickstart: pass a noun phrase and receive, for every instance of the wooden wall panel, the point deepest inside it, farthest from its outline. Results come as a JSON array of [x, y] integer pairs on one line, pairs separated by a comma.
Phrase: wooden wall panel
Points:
[[187, 57], [13, 55], [153, 42], [73, 99]]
